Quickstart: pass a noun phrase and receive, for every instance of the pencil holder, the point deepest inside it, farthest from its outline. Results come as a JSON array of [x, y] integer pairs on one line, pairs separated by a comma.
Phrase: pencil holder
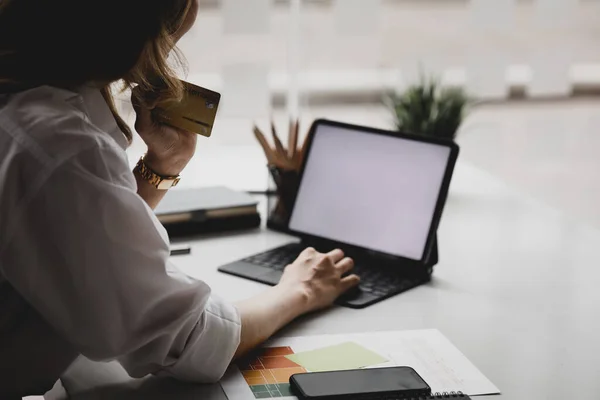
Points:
[[280, 205]]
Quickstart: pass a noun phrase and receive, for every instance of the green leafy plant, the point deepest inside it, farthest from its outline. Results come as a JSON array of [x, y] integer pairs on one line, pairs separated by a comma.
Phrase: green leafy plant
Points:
[[428, 109]]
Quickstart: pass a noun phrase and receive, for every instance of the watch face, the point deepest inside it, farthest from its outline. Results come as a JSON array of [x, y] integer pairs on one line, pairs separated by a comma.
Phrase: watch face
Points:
[[167, 184]]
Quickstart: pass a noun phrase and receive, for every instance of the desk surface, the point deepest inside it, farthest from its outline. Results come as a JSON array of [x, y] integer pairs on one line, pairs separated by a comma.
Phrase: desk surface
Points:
[[516, 290]]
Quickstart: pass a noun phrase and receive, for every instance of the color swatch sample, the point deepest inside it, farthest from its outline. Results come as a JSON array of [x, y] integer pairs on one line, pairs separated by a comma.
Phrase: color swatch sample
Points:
[[268, 372], [343, 356]]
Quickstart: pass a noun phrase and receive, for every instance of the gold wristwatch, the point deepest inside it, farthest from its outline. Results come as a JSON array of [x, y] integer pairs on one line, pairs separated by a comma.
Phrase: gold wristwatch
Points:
[[158, 181]]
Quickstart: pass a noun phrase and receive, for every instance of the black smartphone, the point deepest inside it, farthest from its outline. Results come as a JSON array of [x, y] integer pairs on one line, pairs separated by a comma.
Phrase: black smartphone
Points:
[[397, 382]]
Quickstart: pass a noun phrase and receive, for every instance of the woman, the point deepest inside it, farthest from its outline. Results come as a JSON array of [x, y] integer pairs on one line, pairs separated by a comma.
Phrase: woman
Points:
[[83, 261]]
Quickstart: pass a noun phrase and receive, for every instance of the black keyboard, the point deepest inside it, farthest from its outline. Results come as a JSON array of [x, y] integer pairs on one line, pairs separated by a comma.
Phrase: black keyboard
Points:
[[374, 280], [278, 258]]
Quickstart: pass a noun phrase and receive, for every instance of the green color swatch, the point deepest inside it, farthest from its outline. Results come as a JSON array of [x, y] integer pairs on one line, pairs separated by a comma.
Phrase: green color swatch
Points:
[[336, 358]]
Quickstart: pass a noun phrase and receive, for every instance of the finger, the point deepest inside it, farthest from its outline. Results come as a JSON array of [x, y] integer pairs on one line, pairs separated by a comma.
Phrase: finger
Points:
[[185, 136], [145, 99], [308, 253], [349, 282], [335, 255], [345, 265], [143, 116]]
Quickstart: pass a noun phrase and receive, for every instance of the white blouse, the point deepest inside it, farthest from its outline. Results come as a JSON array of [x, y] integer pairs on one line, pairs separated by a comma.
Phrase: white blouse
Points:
[[83, 260]]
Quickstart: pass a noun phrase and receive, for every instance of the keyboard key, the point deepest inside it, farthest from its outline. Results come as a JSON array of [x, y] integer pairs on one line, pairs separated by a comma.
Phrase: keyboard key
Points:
[[366, 289], [379, 292], [276, 259]]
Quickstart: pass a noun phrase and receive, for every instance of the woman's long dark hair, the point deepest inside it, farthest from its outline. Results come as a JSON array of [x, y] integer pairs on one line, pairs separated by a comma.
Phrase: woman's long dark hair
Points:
[[68, 43]]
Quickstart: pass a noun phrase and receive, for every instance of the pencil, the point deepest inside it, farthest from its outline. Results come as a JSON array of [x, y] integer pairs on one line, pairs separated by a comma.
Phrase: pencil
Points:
[[278, 145], [302, 152], [293, 138], [265, 145]]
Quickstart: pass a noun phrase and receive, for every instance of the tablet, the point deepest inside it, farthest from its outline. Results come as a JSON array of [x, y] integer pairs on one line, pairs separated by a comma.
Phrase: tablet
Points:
[[372, 189]]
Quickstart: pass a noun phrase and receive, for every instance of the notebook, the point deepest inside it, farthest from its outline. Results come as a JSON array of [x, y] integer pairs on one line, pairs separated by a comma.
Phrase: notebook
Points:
[[209, 209]]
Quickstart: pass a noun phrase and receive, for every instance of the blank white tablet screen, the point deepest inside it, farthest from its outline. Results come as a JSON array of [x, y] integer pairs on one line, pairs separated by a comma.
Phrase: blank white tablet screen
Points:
[[369, 190]]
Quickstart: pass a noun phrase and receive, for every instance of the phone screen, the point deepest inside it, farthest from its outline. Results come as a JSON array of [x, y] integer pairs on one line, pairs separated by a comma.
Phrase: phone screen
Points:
[[362, 381]]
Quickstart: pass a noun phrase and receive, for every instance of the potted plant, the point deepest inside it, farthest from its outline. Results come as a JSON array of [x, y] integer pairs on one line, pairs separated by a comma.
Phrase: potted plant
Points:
[[427, 108]]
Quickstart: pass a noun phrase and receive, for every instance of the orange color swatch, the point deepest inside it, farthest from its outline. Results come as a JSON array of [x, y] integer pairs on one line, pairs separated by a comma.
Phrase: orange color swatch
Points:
[[268, 372]]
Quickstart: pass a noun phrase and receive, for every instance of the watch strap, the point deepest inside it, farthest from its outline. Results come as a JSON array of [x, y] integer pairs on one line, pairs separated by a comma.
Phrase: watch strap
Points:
[[158, 181]]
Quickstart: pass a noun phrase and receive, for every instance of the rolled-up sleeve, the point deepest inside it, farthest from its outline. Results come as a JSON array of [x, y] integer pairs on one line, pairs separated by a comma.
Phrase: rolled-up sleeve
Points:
[[206, 363], [90, 256]]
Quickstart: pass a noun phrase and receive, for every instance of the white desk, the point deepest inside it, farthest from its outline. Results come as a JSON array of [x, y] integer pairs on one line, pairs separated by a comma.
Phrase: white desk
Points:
[[517, 290]]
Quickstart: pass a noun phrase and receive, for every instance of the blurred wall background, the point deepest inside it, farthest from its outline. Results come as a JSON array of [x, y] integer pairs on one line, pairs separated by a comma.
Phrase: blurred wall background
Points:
[[534, 63]]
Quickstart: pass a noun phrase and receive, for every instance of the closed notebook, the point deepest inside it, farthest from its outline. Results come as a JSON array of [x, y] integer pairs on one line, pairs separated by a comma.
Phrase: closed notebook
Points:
[[208, 209]]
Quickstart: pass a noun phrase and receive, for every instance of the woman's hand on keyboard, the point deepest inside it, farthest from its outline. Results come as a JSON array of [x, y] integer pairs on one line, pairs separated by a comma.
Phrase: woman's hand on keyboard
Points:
[[310, 283], [320, 277]]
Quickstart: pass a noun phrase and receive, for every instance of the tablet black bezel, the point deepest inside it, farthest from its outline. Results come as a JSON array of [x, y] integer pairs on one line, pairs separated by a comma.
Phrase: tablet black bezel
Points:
[[442, 196]]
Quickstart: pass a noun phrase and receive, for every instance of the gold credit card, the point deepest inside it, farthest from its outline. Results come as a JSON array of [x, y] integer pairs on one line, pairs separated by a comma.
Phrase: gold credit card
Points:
[[195, 113]]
